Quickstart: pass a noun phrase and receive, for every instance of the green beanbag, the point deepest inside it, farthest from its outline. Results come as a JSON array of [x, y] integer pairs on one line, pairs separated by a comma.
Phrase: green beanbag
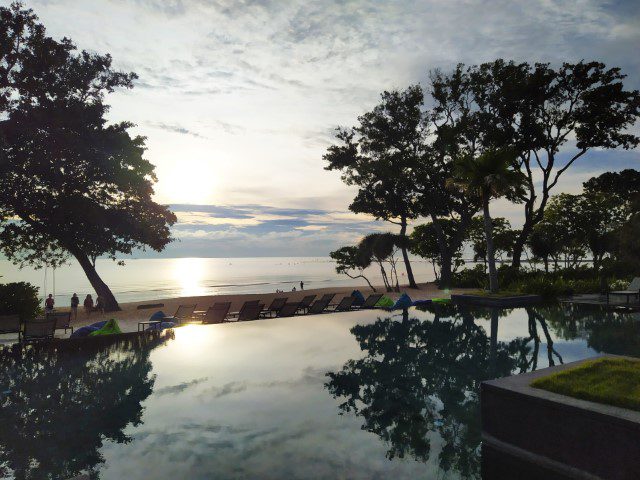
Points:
[[109, 328], [385, 302], [441, 300]]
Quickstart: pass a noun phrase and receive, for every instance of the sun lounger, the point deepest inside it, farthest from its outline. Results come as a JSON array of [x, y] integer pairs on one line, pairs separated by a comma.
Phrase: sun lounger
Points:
[[184, 312], [371, 301], [275, 306], [250, 312], [288, 310], [244, 305], [319, 306], [632, 290], [62, 320], [39, 329], [10, 324], [217, 313], [306, 302], [344, 305]]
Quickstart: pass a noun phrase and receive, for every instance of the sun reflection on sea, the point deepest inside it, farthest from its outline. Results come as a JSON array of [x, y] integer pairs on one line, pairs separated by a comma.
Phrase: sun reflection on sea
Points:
[[189, 274]]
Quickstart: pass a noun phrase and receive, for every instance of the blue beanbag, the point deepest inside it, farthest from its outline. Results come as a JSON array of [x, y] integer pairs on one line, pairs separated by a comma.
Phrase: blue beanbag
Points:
[[359, 298], [84, 331], [161, 326], [418, 303], [98, 324], [159, 315], [403, 302]]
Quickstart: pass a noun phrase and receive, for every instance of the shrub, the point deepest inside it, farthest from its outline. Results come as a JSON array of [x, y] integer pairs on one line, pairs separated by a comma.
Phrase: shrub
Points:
[[20, 298], [474, 277], [549, 287]]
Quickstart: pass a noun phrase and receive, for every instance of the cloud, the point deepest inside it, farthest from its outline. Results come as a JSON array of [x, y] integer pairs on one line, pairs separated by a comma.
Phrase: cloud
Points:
[[175, 129], [179, 388], [242, 97]]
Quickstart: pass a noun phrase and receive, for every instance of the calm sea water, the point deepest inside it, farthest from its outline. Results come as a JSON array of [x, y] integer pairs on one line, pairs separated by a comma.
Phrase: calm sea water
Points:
[[149, 279], [358, 395]]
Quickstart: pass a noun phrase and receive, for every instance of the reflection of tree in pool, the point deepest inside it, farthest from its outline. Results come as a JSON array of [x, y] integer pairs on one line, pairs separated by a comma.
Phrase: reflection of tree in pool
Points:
[[605, 331], [423, 376], [59, 404]]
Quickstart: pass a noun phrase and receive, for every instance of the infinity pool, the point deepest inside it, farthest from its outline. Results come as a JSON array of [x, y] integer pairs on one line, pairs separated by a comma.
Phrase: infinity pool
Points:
[[359, 395]]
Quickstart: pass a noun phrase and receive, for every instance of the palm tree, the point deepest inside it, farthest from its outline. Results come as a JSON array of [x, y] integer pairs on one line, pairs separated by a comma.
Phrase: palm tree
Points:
[[491, 175]]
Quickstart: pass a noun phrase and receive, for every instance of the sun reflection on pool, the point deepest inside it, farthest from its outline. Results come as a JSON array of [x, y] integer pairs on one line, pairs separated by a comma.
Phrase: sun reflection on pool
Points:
[[189, 274]]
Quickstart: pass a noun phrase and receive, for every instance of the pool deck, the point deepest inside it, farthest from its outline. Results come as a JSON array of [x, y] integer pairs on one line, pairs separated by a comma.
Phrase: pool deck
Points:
[[597, 300]]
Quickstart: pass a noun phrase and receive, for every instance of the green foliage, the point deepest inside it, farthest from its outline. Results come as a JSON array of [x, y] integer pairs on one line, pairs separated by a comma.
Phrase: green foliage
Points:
[[475, 277], [611, 381], [424, 241], [91, 195], [19, 298], [536, 109], [491, 175], [503, 238], [550, 287]]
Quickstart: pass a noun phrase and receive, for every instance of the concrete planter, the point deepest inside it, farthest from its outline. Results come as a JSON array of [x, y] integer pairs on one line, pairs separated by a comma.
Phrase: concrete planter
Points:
[[564, 437], [502, 302]]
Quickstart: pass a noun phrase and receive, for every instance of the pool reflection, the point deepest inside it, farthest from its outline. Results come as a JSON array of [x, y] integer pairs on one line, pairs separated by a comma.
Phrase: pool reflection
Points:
[[253, 401], [422, 377], [58, 404]]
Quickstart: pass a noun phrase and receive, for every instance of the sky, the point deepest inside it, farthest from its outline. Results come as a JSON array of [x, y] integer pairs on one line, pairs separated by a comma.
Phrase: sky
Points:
[[239, 99]]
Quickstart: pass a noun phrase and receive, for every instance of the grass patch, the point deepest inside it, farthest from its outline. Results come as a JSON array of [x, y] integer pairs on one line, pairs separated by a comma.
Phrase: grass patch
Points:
[[611, 381], [500, 294]]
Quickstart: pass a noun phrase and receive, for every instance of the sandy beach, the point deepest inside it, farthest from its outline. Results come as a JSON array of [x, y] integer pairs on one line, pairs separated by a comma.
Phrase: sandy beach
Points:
[[130, 314]]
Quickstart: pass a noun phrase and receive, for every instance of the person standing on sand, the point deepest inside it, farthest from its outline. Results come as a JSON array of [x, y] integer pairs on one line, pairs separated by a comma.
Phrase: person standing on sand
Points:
[[88, 304], [49, 304], [75, 301], [99, 305], [301, 285]]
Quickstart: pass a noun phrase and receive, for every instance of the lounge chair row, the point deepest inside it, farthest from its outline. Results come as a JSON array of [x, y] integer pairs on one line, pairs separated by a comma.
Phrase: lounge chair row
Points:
[[41, 328], [279, 307]]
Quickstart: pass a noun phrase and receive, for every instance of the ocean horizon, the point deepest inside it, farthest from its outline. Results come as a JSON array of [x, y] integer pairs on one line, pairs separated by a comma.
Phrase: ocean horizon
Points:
[[157, 278]]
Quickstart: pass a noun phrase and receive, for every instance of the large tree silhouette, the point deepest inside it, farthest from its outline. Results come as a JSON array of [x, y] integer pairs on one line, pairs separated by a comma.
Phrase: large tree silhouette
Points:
[[70, 184]]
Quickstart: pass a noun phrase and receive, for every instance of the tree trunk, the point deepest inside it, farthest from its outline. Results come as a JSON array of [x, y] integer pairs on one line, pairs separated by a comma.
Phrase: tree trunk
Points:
[[445, 271], [102, 290], [488, 231], [493, 341], [405, 255], [546, 265]]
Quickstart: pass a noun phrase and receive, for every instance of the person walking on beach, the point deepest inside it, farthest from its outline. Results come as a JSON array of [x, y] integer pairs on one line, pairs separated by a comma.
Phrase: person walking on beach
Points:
[[75, 301], [49, 304], [88, 304], [301, 285]]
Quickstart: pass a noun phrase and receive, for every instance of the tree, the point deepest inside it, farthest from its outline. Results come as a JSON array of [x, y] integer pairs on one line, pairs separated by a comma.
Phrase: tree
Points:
[[425, 243], [491, 175], [69, 182], [381, 248], [503, 238], [545, 242], [380, 157], [352, 262], [536, 110]]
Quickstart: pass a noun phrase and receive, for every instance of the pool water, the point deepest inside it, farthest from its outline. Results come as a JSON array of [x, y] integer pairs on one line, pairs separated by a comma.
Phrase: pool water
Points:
[[359, 395]]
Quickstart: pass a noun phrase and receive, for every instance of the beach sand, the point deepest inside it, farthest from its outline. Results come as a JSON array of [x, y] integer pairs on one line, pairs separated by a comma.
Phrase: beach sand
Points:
[[130, 314]]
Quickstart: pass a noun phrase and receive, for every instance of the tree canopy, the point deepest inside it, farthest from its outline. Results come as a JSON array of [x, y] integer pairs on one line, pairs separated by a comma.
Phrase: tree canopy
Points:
[[537, 109], [70, 183]]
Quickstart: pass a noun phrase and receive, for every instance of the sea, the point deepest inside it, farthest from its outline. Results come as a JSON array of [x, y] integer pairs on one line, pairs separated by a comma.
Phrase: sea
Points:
[[151, 279]]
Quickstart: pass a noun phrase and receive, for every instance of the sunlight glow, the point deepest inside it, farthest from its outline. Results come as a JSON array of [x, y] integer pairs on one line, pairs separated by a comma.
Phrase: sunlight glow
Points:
[[189, 274]]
